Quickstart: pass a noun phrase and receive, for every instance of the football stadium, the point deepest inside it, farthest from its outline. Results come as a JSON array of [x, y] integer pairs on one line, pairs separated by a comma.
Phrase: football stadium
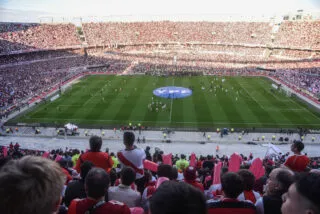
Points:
[[181, 113]]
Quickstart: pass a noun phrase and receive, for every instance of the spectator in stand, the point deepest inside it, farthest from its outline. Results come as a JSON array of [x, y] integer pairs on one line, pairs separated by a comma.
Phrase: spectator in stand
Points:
[[232, 186], [123, 192], [303, 196], [94, 155], [297, 162], [174, 197], [31, 185], [278, 183], [97, 184], [133, 157], [75, 188], [248, 181], [182, 163], [64, 168], [115, 160], [190, 176]]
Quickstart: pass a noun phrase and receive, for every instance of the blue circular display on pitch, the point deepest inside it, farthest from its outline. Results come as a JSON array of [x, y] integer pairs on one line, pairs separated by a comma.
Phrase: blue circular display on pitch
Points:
[[172, 92]]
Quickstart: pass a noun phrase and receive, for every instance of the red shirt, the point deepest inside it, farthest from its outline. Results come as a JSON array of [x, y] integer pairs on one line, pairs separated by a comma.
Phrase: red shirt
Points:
[[297, 163], [81, 206], [99, 159], [231, 206], [195, 184]]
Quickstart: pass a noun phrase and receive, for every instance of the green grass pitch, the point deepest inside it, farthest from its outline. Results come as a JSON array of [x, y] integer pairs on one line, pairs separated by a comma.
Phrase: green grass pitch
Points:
[[118, 100]]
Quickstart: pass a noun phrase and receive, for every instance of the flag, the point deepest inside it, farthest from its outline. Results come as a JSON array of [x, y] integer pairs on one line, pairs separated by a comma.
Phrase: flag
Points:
[[167, 159], [216, 173], [272, 150], [257, 168], [152, 166], [234, 162], [193, 160]]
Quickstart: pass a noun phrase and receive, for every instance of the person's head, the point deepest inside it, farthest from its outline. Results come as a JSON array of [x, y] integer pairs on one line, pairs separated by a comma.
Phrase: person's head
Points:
[[177, 197], [303, 196], [224, 170], [174, 173], [128, 176], [95, 143], [97, 183], [190, 173], [247, 178], [31, 185], [232, 185], [128, 139], [165, 170], [297, 147], [85, 168], [279, 181], [182, 156]]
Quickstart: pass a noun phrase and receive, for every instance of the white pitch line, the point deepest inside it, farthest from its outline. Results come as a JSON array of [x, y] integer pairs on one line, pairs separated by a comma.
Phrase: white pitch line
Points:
[[179, 122], [171, 104]]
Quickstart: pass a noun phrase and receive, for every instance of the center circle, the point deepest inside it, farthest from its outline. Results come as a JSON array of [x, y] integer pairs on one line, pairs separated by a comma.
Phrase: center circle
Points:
[[172, 92]]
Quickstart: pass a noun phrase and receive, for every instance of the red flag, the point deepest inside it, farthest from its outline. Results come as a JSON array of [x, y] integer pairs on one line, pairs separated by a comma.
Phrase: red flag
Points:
[[234, 162], [167, 159], [257, 168], [152, 166], [193, 161], [216, 173]]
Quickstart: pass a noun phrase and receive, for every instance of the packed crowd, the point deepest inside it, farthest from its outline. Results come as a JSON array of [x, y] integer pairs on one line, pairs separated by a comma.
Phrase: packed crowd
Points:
[[17, 36], [135, 181], [165, 31], [308, 79], [289, 34], [298, 35]]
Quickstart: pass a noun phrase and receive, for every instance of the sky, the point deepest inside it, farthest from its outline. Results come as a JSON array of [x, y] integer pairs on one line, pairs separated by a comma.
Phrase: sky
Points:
[[153, 7]]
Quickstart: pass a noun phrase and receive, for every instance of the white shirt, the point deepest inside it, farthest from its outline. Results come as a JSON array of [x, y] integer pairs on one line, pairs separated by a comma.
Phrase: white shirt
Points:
[[136, 157]]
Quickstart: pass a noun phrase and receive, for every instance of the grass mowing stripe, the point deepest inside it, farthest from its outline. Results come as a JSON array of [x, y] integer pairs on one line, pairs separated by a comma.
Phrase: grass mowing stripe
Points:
[[291, 116], [260, 114]]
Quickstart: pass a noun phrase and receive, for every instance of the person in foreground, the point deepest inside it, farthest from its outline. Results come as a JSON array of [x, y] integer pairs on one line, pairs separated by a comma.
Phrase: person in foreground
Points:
[[303, 196], [96, 185], [95, 156], [133, 157], [179, 198], [123, 192], [31, 185], [278, 183], [232, 187]]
